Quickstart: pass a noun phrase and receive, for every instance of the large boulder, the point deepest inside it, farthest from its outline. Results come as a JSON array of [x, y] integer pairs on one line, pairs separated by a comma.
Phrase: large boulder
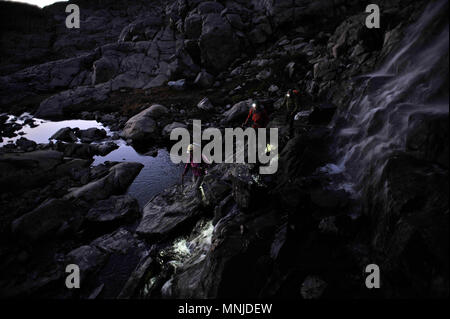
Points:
[[141, 126], [100, 259], [204, 80], [91, 135], [141, 29], [220, 273], [26, 170], [238, 111], [117, 181], [218, 43], [86, 151], [65, 134], [157, 111], [136, 278], [159, 80], [51, 217], [26, 144], [56, 106], [114, 209], [168, 213], [408, 210], [104, 70], [88, 258], [170, 127]]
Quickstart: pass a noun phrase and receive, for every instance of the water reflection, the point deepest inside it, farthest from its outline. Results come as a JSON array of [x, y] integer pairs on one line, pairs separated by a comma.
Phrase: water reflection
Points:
[[158, 173]]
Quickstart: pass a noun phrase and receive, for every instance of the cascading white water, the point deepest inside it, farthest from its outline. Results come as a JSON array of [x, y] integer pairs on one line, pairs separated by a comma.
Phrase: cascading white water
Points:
[[414, 78]]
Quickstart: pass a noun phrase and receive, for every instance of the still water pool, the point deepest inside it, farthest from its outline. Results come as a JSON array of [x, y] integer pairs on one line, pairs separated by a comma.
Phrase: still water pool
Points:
[[158, 173]]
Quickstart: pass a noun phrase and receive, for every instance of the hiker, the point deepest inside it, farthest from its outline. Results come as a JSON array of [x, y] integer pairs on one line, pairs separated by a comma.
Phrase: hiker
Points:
[[198, 171], [292, 105], [258, 115]]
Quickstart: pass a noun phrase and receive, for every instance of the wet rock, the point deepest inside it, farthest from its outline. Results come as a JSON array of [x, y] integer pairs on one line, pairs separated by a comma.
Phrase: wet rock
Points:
[[238, 111], [65, 134], [117, 181], [302, 116], [136, 279], [25, 170], [140, 127], [214, 189], [88, 258], [407, 206], [222, 209], [26, 144], [47, 219], [168, 213], [179, 85], [218, 275], [427, 137], [9, 129], [90, 135], [86, 150], [205, 104], [204, 80], [118, 242], [114, 209], [100, 260], [170, 127], [244, 187]]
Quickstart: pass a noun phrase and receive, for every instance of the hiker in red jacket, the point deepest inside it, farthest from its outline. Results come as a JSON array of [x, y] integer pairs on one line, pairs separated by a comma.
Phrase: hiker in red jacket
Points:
[[258, 115]]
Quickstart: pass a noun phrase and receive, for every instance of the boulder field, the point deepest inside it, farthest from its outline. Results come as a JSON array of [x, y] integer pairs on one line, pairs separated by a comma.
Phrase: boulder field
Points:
[[362, 174]]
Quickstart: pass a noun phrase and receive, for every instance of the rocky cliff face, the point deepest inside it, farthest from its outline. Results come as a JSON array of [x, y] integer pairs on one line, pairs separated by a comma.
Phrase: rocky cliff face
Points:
[[363, 177]]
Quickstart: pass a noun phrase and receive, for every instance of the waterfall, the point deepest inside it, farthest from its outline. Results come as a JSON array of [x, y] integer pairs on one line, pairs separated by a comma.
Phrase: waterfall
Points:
[[413, 79]]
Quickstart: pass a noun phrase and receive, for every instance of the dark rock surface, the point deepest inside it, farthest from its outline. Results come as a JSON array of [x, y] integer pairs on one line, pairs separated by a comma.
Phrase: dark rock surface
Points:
[[367, 99], [116, 181]]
